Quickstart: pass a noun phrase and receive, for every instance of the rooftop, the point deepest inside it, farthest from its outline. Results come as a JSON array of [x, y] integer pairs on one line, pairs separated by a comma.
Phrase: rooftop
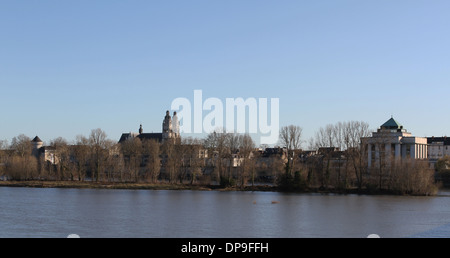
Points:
[[36, 139], [445, 140], [392, 124], [142, 136]]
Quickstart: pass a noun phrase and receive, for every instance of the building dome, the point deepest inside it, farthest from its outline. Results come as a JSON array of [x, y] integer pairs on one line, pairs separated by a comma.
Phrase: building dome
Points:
[[392, 124]]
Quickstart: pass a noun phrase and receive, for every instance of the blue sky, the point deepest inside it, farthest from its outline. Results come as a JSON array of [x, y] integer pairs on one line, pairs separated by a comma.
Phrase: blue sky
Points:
[[67, 67]]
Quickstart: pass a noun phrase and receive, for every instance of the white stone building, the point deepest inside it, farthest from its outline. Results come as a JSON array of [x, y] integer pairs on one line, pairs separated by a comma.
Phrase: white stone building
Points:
[[392, 142], [46, 153]]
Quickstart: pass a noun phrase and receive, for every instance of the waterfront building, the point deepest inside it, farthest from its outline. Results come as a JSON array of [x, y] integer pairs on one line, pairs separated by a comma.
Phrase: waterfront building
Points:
[[393, 142]]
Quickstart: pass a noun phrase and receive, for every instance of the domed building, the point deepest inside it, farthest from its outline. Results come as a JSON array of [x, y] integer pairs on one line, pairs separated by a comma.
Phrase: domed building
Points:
[[392, 141]]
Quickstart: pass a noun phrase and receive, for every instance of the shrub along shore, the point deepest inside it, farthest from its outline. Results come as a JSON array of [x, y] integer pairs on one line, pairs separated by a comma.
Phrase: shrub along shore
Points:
[[195, 187], [129, 186]]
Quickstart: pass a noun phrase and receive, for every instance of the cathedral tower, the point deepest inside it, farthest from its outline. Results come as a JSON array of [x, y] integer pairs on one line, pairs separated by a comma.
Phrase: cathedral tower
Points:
[[171, 127], [167, 126], [175, 125]]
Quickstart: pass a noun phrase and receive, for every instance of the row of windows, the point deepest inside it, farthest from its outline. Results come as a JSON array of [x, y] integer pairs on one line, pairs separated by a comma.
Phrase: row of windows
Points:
[[383, 146]]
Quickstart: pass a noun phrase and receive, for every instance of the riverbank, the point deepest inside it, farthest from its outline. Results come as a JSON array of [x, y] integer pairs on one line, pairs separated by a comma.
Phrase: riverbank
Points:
[[167, 186], [129, 186]]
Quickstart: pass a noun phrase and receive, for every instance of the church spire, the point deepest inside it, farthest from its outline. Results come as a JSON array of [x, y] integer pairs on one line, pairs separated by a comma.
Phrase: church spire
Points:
[[167, 123], [175, 124]]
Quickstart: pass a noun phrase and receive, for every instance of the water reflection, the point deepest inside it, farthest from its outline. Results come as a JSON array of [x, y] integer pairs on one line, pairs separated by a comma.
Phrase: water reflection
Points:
[[32, 212]]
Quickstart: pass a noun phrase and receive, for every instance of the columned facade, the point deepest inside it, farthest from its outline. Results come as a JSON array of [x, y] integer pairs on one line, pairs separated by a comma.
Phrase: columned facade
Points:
[[392, 142]]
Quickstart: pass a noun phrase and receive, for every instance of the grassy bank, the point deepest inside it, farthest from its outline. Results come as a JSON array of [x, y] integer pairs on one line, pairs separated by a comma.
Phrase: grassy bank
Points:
[[129, 186], [167, 186]]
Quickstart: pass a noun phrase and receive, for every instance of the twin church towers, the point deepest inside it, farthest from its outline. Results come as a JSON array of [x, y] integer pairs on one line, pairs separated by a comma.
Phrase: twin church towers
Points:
[[170, 130], [170, 126]]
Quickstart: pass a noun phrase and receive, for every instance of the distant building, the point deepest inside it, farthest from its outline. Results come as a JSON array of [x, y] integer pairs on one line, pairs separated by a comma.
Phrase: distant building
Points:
[[391, 142], [438, 147], [170, 130], [275, 152], [46, 153], [328, 150]]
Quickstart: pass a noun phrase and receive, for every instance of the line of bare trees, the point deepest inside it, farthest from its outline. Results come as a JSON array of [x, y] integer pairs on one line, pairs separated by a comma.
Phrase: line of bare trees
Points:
[[350, 154], [222, 158], [87, 156], [339, 161], [231, 157]]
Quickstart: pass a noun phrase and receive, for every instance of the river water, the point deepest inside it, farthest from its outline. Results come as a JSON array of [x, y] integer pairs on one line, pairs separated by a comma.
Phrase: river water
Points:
[[46, 212]]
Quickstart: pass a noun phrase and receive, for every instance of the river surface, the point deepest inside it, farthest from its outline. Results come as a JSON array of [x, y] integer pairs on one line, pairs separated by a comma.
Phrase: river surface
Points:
[[92, 213]]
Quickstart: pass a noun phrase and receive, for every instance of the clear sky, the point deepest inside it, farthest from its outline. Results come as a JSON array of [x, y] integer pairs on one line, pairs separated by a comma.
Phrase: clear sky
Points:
[[67, 67]]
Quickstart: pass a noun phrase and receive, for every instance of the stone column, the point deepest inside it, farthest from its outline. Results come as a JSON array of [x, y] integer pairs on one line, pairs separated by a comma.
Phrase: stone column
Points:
[[413, 151], [387, 153], [397, 150], [424, 151], [377, 155]]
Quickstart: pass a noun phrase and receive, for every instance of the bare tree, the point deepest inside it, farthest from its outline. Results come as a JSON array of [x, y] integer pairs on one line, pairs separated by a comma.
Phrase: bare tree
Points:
[[22, 168], [22, 165], [217, 145], [291, 138], [115, 164], [3, 145], [199, 155], [151, 149], [132, 150], [3, 156], [98, 144], [246, 149], [171, 156], [413, 177], [183, 156], [383, 159], [81, 155], [61, 158], [346, 136], [21, 145], [193, 159], [325, 138], [354, 132], [232, 155]]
